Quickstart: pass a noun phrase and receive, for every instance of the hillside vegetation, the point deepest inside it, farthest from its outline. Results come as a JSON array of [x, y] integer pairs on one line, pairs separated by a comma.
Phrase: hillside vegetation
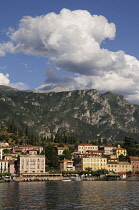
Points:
[[85, 115]]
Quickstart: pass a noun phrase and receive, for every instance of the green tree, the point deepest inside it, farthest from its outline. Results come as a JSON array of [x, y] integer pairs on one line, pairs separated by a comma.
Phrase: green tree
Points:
[[137, 172], [129, 172], [131, 145], [51, 156], [6, 151], [88, 169], [105, 142], [123, 158], [66, 154]]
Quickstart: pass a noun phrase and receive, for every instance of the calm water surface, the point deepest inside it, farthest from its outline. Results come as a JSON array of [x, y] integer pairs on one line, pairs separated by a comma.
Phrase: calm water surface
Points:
[[58, 195]]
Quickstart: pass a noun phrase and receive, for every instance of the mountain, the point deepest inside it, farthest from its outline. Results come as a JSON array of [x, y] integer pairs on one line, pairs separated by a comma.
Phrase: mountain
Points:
[[84, 114]]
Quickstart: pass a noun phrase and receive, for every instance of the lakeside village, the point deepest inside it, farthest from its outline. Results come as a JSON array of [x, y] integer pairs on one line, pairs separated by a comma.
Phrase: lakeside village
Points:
[[87, 162]]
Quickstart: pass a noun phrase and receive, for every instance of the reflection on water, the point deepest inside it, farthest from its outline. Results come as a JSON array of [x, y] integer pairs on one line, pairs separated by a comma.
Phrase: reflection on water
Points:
[[58, 195]]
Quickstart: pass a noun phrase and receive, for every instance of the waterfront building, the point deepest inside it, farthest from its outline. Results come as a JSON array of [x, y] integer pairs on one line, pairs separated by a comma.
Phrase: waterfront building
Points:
[[118, 166], [30, 164], [134, 160], [82, 148], [3, 166], [94, 163], [60, 150], [11, 167], [66, 165], [124, 166]]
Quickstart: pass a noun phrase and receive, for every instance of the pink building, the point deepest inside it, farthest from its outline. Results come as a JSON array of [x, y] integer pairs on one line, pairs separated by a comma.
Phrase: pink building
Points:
[[30, 164], [135, 163], [11, 167]]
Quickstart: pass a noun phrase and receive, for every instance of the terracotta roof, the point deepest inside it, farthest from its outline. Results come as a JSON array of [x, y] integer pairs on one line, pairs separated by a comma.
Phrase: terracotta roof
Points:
[[58, 147], [62, 148], [134, 157], [66, 160], [11, 162], [87, 145], [120, 149], [22, 146], [1, 160], [6, 147], [32, 150], [122, 173], [99, 151]]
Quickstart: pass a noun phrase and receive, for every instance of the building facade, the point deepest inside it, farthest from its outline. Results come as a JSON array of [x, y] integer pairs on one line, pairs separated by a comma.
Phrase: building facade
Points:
[[3, 166], [94, 163], [27, 148], [11, 167], [134, 160], [108, 150], [30, 164], [66, 165], [60, 150], [1, 152], [120, 151], [82, 148], [119, 166]]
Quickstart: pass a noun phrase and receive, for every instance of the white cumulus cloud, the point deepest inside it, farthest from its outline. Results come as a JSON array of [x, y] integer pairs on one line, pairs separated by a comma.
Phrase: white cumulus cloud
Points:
[[72, 41], [4, 80]]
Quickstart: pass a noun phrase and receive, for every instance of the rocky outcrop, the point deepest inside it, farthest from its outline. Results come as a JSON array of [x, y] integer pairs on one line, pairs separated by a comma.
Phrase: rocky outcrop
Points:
[[87, 114]]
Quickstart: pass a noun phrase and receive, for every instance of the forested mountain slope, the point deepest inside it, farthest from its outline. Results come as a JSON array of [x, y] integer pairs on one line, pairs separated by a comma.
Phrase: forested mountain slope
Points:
[[85, 114]]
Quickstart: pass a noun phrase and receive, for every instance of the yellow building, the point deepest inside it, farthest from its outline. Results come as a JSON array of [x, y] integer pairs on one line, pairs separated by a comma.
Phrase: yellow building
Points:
[[120, 151], [118, 166], [94, 163]]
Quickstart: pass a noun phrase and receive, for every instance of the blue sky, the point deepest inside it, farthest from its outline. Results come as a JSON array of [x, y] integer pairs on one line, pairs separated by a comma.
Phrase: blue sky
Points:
[[63, 52]]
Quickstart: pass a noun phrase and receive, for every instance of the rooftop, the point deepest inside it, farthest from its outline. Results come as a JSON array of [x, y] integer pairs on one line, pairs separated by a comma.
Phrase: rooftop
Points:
[[87, 145], [134, 158]]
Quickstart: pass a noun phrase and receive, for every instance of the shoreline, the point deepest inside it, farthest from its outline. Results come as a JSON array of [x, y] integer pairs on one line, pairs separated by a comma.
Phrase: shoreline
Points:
[[32, 179]]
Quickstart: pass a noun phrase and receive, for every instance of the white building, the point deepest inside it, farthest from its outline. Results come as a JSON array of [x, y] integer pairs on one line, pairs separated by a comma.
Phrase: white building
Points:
[[60, 150], [108, 150], [82, 148], [1, 152], [3, 166]]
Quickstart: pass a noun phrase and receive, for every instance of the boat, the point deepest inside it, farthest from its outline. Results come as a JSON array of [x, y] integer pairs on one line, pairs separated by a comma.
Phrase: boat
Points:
[[7, 178], [66, 180]]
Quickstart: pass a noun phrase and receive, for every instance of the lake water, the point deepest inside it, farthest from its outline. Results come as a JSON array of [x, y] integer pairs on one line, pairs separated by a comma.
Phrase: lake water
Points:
[[58, 195]]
